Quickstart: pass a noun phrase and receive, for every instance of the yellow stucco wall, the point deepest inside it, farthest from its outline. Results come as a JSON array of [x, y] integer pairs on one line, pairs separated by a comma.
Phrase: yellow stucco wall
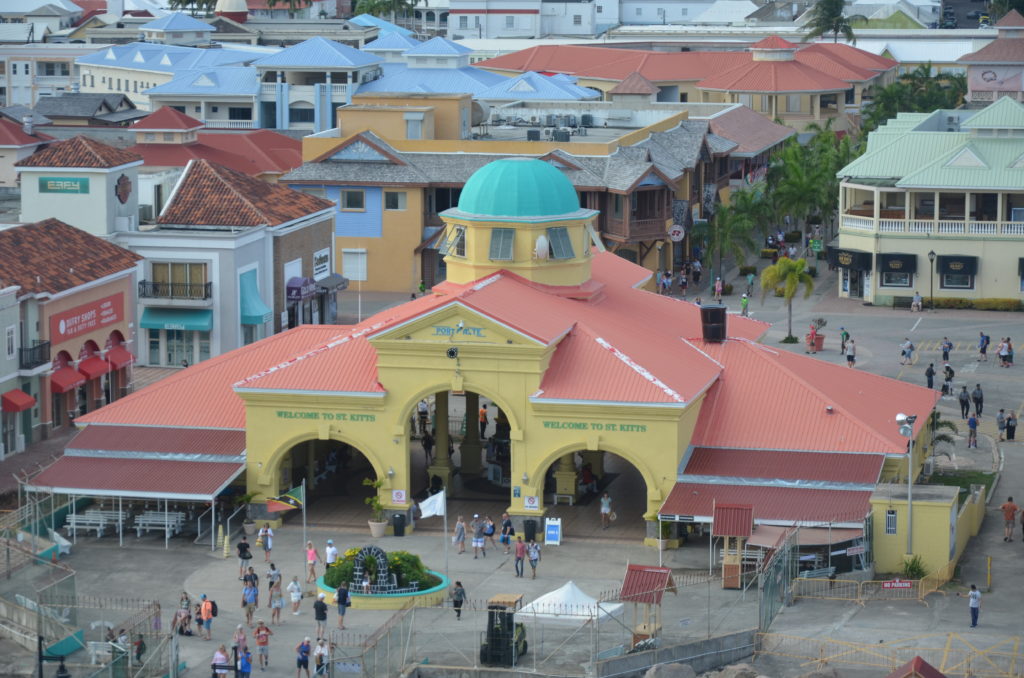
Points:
[[387, 121], [391, 263], [449, 109]]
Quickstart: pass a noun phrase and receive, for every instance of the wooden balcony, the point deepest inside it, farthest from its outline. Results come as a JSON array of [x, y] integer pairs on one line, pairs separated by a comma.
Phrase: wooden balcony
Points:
[[636, 230]]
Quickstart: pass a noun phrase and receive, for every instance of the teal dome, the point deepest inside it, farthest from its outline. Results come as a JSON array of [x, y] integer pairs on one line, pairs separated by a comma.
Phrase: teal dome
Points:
[[518, 187]]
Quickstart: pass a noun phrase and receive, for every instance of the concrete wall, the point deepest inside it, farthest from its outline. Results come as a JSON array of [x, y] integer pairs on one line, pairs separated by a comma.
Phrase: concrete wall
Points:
[[701, 655]]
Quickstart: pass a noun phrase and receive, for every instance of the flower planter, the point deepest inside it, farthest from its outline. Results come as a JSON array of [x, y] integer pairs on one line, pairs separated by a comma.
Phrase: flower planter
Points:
[[819, 342], [377, 530]]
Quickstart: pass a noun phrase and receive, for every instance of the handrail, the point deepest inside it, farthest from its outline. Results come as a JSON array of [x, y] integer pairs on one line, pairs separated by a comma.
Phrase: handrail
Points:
[[227, 523], [199, 525]]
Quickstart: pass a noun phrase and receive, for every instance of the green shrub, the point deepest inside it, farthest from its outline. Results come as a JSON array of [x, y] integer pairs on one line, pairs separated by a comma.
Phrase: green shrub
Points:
[[407, 567], [994, 304], [793, 236], [726, 289], [953, 302], [747, 270], [789, 340], [914, 568], [768, 252], [779, 291]]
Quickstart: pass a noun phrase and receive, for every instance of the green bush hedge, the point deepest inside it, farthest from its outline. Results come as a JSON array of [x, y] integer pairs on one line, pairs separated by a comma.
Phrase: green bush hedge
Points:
[[407, 567], [747, 270], [979, 304]]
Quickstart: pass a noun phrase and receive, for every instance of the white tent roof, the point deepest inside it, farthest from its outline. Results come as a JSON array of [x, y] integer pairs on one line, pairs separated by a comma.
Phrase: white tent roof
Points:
[[569, 604]]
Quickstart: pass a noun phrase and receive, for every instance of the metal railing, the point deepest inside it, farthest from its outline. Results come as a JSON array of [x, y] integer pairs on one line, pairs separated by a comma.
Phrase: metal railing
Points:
[[34, 356], [933, 226], [172, 290]]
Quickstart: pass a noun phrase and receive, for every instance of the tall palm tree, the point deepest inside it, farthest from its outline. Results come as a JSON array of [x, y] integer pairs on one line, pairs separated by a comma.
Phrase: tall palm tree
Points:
[[730, 234], [937, 423], [789, 275], [796, 181], [828, 17]]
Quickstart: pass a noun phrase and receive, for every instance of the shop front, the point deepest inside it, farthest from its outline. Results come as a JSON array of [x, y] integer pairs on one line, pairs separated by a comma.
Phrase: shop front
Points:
[[13, 405], [301, 298], [956, 273], [896, 276], [255, 314], [854, 272], [177, 336]]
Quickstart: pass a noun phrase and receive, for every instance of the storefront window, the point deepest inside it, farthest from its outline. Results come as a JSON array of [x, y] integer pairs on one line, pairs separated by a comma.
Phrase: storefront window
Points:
[[250, 333], [204, 345], [890, 279], [154, 347], [957, 281], [179, 347]]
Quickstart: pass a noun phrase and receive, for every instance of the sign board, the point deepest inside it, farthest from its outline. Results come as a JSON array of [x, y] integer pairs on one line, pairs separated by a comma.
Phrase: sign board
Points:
[[517, 491], [322, 263], [676, 233], [398, 497], [64, 185], [897, 584], [855, 550], [815, 244], [531, 503], [88, 317], [553, 531]]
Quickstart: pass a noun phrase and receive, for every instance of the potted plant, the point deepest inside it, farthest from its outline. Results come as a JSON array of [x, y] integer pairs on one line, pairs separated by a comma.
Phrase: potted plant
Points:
[[377, 523], [248, 524], [664, 535]]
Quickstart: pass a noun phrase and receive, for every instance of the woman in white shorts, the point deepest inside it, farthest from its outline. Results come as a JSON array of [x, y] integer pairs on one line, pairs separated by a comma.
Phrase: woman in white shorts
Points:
[[295, 589]]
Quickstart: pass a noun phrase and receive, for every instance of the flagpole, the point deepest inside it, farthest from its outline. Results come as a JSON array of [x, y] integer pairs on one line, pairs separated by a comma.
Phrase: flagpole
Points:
[[304, 539], [446, 537]]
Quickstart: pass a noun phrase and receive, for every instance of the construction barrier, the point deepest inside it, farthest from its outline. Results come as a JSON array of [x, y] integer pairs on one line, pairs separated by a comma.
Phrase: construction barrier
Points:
[[827, 589], [862, 592]]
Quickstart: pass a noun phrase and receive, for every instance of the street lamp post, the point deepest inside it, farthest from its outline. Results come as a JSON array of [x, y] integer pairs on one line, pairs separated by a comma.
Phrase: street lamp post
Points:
[[62, 671], [906, 424], [931, 280]]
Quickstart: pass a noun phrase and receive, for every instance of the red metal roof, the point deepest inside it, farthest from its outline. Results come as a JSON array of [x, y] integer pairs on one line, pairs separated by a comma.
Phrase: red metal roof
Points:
[[65, 379], [12, 134], [773, 76], [139, 478], [771, 503], [774, 42], [1011, 19], [253, 153], [732, 520], [169, 119], [775, 464], [119, 356], [93, 367], [646, 584], [158, 440], [917, 668], [634, 84], [752, 131], [16, 400], [850, 55]]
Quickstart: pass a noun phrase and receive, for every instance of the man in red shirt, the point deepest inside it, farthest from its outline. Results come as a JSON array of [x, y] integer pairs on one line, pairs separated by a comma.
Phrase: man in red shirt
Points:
[[1010, 511], [262, 635], [520, 551]]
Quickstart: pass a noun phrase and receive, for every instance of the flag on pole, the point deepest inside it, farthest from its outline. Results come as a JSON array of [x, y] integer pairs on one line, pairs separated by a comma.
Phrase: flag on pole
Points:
[[433, 505], [292, 499]]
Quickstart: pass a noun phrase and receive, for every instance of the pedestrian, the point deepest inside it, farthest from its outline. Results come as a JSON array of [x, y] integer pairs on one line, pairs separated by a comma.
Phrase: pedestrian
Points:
[[312, 558], [1010, 511], [812, 339], [750, 283], [533, 555], [606, 510], [979, 399], [206, 612], [929, 374], [972, 432], [321, 657], [683, 282], [698, 271], [302, 651], [262, 635], [1011, 425], [250, 600], [520, 555], [851, 353], [906, 351], [330, 553], [320, 615], [965, 402], [1009, 352], [476, 526], [273, 579], [1004, 353], [458, 598], [459, 535], [238, 640], [251, 578], [276, 603], [483, 421], [221, 663], [744, 303], [844, 337], [983, 342], [974, 604], [266, 539], [244, 556], [343, 601], [244, 663], [1001, 424], [140, 647], [197, 615], [422, 415], [947, 376], [489, 530], [947, 346], [427, 441], [718, 289], [507, 532], [295, 591]]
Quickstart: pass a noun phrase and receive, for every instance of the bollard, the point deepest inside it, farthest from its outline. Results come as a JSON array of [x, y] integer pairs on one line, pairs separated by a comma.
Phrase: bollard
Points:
[[220, 535], [227, 547]]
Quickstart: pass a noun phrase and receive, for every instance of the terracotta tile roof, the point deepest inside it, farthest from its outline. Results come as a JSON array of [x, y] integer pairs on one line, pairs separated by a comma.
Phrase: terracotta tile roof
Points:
[[634, 84], [646, 584], [11, 134], [999, 51], [54, 257], [784, 465], [150, 440], [917, 667], [167, 118], [732, 520], [208, 194], [753, 132], [1011, 19], [254, 153], [773, 76], [79, 152], [771, 503], [774, 42]]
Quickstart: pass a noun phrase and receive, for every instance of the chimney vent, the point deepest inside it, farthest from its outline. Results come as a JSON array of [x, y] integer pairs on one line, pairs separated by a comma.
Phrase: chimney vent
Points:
[[712, 321], [27, 126]]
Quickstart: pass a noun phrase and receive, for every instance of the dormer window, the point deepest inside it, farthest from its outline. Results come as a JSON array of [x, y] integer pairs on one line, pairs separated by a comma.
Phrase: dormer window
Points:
[[559, 243], [456, 243], [502, 240]]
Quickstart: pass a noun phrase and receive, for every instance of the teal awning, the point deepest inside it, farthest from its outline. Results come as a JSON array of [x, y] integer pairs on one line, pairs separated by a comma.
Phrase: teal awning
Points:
[[196, 319], [254, 311]]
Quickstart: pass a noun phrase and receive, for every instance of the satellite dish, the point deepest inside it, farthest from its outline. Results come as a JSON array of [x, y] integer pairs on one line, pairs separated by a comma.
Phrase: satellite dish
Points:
[[540, 249]]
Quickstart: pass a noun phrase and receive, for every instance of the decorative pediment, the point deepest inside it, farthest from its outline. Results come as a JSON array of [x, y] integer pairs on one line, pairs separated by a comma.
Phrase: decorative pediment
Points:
[[454, 325], [967, 158]]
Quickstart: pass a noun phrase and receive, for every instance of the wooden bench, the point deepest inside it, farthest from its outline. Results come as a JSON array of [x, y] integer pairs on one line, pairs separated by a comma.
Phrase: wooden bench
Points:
[[820, 573]]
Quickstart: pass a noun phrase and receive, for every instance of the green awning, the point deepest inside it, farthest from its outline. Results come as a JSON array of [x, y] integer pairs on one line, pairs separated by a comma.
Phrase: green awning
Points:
[[197, 319], [254, 311]]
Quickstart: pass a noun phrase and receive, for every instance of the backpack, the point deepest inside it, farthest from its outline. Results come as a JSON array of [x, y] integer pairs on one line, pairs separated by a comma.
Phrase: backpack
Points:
[[213, 608]]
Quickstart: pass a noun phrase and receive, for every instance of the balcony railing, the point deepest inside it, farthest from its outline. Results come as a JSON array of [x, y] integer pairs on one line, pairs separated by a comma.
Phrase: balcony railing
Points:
[[230, 124], [637, 229], [172, 290], [934, 226], [38, 354]]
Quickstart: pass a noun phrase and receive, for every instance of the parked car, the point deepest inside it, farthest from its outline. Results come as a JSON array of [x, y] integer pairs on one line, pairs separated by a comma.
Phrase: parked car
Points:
[[949, 23], [975, 14]]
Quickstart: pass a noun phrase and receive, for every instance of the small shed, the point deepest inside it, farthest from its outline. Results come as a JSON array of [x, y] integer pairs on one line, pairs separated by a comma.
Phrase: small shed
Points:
[[643, 587], [917, 668], [734, 523]]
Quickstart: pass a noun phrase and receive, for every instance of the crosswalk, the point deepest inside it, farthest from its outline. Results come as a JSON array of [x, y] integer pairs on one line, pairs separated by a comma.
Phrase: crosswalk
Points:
[[935, 346]]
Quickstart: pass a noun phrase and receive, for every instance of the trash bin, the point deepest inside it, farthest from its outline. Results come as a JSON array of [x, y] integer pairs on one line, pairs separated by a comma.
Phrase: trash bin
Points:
[[530, 528], [399, 524]]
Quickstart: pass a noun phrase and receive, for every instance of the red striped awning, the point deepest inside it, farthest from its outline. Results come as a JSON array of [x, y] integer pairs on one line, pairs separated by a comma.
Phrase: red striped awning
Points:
[[119, 357], [65, 379], [16, 400], [93, 367]]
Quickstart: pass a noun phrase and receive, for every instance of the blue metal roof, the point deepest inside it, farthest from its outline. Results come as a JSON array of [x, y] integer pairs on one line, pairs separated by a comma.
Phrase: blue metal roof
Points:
[[392, 41], [319, 52], [178, 21], [227, 80], [439, 47], [530, 85], [384, 26], [146, 56], [401, 78]]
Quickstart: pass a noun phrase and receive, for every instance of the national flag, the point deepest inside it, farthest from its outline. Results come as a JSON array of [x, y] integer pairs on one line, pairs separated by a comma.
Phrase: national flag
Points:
[[292, 499], [433, 505]]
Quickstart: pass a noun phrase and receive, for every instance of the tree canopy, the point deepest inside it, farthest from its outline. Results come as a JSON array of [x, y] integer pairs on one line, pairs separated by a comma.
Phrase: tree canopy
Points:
[[919, 91]]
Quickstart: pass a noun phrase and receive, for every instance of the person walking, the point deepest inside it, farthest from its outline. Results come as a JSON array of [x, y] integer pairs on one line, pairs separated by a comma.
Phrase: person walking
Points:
[[320, 615], [244, 556], [295, 592], [520, 555], [744, 303], [140, 647], [750, 283], [906, 351], [844, 337], [965, 402], [697, 270], [1001, 424], [251, 578], [812, 339], [302, 651], [244, 663], [262, 635], [312, 558], [221, 663], [250, 600], [459, 535], [343, 600], [458, 598], [851, 353], [1011, 425], [979, 399], [489, 529], [947, 376], [238, 639], [265, 538], [929, 375], [273, 579], [946, 346], [330, 553], [606, 510], [1003, 351], [477, 527], [718, 290], [321, 656], [507, 532], [276, 603], [427, 441], [1010, 511], [483, 421], [973, 604], [206, 612], [983, 342], [533, 555], [972, 432], [422, 415], [683, 282]]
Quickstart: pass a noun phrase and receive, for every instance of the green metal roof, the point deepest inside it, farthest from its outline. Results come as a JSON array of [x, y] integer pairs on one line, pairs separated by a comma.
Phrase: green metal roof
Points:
[[904, 154], [982, 163], [1005, 113], [518, 187]]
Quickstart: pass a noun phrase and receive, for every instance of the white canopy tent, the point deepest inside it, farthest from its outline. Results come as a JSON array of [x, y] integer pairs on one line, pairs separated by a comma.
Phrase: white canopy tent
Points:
[[570, 604]]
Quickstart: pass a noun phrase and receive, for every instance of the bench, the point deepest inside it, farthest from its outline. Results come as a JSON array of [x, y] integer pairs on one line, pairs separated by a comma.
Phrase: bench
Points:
[[556, 498], [63, 545], [905, 302], [157, 520], [76, 521], [820, 573]]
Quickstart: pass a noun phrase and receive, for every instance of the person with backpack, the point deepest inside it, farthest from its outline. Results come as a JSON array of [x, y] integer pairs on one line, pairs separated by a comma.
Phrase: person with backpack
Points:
[[344, 601], [208, 609], [983, 342], [906, 351], [844, 337], [948, 374]]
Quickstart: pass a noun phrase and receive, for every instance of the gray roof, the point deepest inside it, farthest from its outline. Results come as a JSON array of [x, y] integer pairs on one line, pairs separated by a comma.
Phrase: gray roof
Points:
[[80, 105], [18, 112]]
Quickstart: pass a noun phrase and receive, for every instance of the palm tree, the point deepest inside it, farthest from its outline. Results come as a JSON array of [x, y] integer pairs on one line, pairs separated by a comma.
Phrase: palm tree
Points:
[[937, 423], [789, 275], [796, 181], [827, 17], [730, 234]]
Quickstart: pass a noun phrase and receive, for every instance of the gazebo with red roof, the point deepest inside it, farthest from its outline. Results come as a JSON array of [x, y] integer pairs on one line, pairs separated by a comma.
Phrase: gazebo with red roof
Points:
[[734, 523], [644, 586]]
